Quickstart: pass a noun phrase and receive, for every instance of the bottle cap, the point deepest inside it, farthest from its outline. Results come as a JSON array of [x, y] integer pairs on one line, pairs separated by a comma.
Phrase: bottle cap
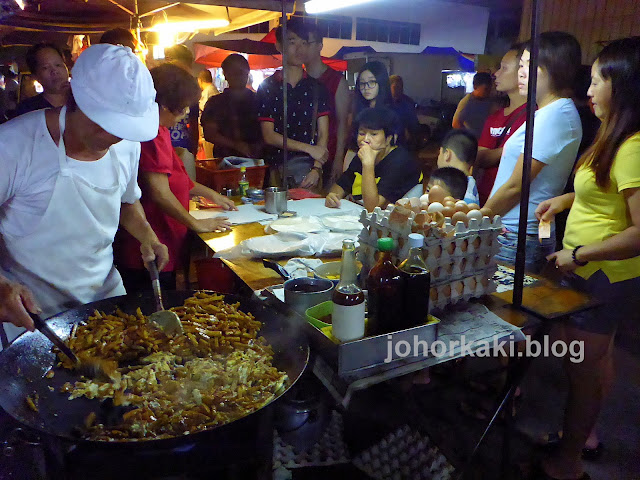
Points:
[[385, 244], [416, 240], [243, 169]]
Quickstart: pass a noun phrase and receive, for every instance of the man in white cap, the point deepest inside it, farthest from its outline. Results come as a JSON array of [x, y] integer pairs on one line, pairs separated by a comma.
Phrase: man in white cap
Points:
[[69, 178]]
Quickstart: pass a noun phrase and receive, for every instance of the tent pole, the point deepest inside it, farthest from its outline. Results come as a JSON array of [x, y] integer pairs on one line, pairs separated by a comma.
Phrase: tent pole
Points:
[[285, 91], [528, 151]]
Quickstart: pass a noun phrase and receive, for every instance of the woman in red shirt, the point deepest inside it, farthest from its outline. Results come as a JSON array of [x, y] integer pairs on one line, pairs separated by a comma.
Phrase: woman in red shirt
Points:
[[166, 187]]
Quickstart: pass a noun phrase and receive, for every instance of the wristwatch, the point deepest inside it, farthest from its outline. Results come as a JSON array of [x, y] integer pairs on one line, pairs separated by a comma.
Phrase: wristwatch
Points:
[[575, 257], [319, 169]]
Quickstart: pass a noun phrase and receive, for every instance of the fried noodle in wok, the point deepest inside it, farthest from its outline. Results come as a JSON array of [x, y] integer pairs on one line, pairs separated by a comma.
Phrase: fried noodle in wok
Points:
[[217, 372]]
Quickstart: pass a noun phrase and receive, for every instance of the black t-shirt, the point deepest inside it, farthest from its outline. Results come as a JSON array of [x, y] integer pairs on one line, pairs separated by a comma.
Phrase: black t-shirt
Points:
[[236, 117], [396, 174], [300, 105], [37, 102]]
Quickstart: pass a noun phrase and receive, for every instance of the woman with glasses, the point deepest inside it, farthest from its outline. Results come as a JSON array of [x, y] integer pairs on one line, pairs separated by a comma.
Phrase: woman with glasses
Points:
[[372, 90], [166, 186]]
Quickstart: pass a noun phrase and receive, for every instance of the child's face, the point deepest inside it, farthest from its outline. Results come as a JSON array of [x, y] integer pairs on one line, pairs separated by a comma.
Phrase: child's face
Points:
[[440, 183]]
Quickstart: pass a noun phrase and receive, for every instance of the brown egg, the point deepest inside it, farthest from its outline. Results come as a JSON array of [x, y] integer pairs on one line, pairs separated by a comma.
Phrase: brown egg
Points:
[[434, 294], [476, 242], [449, 199], [446, 290], [459, 286], [487, 212], [461, 206], [436, 194], [465, 245], [448, 211], [459, 217], [451, 248], [474, 206], [473, 283], [449, 203]]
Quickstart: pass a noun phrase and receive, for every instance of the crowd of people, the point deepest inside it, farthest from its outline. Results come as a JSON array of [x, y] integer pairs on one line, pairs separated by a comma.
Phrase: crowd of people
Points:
[[94, 170]]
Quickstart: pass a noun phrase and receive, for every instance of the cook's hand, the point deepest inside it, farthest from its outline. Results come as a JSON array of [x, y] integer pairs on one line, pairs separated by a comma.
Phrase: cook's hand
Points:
[[311, 180], [319, 153], [15, 302], [217, 224], [367, 155], [225, 202], [563, 260], [154, 250], [332, 200], [548, 209]]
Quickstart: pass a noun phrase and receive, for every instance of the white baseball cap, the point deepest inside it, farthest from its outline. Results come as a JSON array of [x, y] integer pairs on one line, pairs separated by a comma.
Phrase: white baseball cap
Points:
[[115, 90]]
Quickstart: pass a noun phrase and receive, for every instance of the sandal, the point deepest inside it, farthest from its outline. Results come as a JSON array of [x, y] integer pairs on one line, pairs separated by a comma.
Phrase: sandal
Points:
[[589, 454]]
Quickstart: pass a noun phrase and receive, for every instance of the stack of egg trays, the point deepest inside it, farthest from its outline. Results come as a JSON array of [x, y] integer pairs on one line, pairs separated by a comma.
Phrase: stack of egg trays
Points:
[[461, 264], [404, 455]]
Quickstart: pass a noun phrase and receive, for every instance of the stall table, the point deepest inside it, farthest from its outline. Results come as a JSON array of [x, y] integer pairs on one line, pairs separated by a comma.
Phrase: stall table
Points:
[[544, 303]]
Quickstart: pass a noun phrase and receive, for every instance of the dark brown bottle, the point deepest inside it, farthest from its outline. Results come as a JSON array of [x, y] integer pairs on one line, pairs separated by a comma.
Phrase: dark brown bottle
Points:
[[385, 285], [417, 279], [348, 299]]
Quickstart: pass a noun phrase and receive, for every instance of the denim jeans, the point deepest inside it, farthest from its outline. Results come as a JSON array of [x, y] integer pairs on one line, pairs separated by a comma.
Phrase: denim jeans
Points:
[[535, 251]]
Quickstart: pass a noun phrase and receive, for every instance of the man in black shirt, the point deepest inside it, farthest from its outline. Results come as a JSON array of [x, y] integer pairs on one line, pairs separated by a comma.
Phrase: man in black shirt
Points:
[[230, 120], [305, 95], [382, 172], [46, 63]]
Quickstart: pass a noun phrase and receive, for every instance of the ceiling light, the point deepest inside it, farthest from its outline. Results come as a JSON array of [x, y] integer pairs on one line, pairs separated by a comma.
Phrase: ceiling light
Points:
[[319, 6], [176, 27], [20, 4]]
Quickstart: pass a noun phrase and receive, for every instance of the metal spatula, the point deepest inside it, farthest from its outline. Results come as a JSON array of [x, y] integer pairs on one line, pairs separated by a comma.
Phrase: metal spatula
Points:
[[90, 367], [165, 320]]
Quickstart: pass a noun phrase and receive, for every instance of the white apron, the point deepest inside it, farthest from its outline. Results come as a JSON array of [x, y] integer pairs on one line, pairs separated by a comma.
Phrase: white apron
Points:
[[68, 260]]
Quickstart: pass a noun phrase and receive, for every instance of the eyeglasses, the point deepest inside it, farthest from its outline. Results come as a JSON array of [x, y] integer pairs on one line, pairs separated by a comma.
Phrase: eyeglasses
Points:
[[370, 84]]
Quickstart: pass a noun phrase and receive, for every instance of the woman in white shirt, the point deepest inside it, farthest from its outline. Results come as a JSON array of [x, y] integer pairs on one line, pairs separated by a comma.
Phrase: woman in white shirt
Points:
[[556, 138]]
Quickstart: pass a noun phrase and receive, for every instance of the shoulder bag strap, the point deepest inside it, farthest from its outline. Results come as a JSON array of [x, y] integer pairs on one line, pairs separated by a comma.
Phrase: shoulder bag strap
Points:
[[509, 124]]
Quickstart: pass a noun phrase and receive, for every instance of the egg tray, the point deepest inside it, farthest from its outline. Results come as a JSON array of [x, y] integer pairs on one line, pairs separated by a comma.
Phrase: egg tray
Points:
[[404, 455], [460, 256], [330, 449]]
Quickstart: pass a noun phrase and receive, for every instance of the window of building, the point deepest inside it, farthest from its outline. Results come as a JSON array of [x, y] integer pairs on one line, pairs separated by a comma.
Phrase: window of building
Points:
[[331, 26], [385, 31]]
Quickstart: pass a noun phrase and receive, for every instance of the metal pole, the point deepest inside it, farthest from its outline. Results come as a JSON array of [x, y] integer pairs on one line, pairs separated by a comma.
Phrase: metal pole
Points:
[[285, 88], [528, 150]]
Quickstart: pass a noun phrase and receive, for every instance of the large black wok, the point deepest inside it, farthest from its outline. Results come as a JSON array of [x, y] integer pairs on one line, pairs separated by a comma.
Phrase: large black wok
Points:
[[24, 364]]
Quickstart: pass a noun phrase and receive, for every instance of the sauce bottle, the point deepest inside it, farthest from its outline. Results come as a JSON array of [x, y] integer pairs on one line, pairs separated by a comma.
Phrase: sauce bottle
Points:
[[417, 280], [243, 184], [348, 299], [385, 286]]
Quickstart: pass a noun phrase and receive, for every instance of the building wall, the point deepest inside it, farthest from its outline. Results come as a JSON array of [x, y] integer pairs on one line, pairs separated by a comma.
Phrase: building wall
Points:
[[591, 21]]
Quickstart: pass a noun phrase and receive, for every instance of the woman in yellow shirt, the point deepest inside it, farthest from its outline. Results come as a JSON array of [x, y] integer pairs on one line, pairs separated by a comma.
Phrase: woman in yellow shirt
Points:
[[601, 246]]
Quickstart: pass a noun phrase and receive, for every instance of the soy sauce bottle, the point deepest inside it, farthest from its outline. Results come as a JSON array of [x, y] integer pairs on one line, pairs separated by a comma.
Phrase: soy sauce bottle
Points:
[[417, 284], [385, 285], [348, 299]]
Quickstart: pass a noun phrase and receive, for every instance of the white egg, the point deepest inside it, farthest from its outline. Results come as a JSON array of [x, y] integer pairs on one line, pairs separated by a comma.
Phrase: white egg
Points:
[[474, 214], [424, 198], [435, 207]]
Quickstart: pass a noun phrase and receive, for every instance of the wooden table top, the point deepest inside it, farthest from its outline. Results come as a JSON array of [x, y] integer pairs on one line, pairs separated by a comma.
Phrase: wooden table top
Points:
[[546, 298]]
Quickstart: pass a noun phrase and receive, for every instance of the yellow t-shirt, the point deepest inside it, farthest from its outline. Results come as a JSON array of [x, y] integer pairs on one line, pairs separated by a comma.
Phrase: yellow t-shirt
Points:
[[598, 214]]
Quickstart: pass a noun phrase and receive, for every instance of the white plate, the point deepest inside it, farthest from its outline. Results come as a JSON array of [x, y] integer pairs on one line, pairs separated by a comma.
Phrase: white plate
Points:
[[297, 225], [342, 223]]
